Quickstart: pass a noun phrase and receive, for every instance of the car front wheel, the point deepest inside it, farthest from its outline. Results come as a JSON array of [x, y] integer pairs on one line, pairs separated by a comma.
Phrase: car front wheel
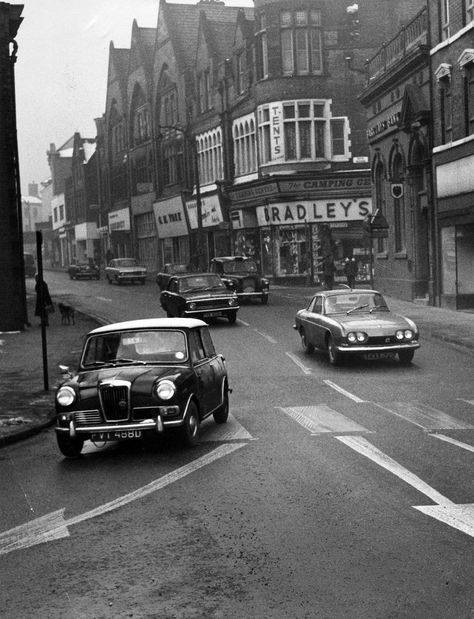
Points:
[[70, 447], [406, 356], [264, 299], [307, 346], [190, 429], [334, 354], [232, 317], [109, 280]]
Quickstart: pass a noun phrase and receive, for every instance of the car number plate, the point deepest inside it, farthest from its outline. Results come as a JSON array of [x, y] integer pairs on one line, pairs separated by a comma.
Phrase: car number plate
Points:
[[117, 435], [371, 356], [212, 314]]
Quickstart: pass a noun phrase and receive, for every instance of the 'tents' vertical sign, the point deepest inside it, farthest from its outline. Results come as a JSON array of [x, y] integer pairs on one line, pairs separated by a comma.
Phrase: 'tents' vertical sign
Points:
[[276, 131]]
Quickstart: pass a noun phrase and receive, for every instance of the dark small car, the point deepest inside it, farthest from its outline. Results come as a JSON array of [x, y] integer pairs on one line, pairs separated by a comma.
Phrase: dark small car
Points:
[[355, 322], [172, 268], [83, 270], [242, 275], [199, 295], [30, 264], [142, 379], [121, 270]]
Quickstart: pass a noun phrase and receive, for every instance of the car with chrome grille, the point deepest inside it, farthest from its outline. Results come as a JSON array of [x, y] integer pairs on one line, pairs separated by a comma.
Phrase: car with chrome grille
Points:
[[241, 273], [355, 322], [199, 295], [121, 270], [83, 270], [139, 379]]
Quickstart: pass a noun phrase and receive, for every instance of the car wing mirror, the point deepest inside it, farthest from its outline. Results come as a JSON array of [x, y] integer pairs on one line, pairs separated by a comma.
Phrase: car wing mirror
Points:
[[65, 371]]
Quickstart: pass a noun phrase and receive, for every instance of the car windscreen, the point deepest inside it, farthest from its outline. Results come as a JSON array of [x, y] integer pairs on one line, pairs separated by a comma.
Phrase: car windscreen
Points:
[[126, 263], [141, 346], [365, 301], [200, 282], [240, 266]]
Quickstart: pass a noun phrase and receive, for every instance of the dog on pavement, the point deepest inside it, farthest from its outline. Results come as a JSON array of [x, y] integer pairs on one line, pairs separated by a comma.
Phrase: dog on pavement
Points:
[[67, 314]]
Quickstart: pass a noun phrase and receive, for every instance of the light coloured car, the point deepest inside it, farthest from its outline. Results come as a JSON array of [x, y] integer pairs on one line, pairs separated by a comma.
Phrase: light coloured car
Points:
[[355, 322], [121, 270]]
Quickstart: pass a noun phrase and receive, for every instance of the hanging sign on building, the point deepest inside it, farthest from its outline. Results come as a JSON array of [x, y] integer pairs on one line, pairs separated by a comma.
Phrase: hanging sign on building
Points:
[[276, 131], [314, 211], [170, 218], [210, 209], [119, 221]]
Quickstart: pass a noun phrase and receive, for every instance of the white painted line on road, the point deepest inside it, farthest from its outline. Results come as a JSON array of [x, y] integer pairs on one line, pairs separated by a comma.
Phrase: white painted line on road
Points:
[[424, 416], [242, 322], [460, 517], [230, 431], [53, 526], [353, 397], [267, 337], [468, 401], [322, 419], [106, 299], [362, 446], [448, 439], [295, 359]]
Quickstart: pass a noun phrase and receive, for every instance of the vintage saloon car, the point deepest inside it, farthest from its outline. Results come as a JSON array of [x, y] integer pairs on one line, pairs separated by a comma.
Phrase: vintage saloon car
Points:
[[355, 322], [200, 295], [83, 270], [242, 275], [120, 270], [142, 378], [172, 268]]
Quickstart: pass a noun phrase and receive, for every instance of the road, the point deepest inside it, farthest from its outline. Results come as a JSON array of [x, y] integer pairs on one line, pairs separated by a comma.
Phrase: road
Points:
[[332, 492]]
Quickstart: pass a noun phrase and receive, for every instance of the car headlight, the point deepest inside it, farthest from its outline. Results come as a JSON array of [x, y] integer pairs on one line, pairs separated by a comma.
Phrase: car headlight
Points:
[[165, 389], [358, 337], [409, 335], [191, 306], [65, 396], [232, 301], [400, 335]]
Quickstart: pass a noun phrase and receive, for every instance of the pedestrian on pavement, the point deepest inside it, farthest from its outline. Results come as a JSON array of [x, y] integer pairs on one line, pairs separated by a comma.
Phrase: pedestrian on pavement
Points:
[[328, 272], [109, 255], [350, 270], [44, 303]]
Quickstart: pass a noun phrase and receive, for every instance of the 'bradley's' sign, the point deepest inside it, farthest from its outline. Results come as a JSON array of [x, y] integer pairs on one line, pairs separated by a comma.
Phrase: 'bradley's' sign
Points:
[[314, 211]]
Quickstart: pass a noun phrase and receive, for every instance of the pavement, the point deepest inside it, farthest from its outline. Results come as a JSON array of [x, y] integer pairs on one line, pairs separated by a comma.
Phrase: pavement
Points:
[[27, 384]]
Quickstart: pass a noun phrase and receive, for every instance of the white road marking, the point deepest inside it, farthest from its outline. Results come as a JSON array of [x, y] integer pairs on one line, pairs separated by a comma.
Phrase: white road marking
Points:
[[54, 526], [468, 401], [362, 446], [295, 359], [353, 397], [448, 439], [460, 517], [267, 337], [230, 431], [105, 299], [322, 419], [424, 416], [242, 322]]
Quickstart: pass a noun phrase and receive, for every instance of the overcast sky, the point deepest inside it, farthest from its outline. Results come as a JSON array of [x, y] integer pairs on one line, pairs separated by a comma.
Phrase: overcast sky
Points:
[[61, 70]]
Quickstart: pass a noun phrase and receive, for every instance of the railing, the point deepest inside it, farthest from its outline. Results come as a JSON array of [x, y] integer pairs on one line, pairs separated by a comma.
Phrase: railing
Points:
[[410, 36]]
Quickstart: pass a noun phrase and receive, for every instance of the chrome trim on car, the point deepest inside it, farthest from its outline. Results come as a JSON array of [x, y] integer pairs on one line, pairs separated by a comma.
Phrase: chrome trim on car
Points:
[[350, 348]]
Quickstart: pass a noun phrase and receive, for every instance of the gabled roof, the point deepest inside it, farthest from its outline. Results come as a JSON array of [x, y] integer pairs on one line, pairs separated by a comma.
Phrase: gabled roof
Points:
[[142, 47]]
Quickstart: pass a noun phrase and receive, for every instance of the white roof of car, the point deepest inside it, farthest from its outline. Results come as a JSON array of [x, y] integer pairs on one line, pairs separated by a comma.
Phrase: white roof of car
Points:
[[151, 323]]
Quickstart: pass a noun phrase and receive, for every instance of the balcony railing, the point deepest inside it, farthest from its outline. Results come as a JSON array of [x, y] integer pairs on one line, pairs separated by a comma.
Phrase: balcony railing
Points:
[[410, 36]]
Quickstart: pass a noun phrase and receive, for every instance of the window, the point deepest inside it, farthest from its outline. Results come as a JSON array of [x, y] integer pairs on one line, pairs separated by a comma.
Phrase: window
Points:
[[261, 49], [301, 48], [469, 98], [302, 131], [204, 91], [209, 152], [444, 19], [141, 124], [446, 112], [469, 11], [245, 159], [379, 199], [173, 162], [240, 73], [399, 207]]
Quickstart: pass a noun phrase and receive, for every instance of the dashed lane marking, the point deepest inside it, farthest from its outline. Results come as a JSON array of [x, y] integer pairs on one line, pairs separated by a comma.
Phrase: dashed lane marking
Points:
[[322, 419], [348, 394], [299, 363], [267, 337], [424, 416], [453, 441]]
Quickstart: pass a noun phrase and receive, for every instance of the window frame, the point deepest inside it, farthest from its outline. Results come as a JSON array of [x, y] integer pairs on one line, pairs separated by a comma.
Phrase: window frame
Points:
[[301, 42]]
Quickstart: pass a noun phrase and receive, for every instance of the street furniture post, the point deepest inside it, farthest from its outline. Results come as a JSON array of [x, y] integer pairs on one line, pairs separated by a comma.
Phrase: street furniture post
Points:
[[41, 303]]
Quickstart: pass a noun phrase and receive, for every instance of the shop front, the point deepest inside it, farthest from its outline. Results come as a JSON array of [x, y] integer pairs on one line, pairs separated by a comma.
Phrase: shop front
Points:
[[120, 233], [215, 228], [173, 233], [144, 229]]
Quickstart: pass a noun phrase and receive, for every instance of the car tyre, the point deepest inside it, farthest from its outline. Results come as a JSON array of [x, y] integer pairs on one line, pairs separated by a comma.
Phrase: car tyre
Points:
[[70, 447], [222, 413], [334, 355], [307, 346], [109, 280], [190, 429], [264, 299], [406, 356], [232, 317], [71, 276]]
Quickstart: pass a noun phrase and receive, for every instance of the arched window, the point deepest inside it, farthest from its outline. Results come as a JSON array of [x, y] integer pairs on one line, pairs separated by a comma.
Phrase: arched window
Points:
[[399, 216], [380, 199]]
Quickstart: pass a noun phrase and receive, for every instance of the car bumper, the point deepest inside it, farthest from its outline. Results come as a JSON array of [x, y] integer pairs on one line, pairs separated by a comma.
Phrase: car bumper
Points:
[[380, 348], [211, 311], [155, 425], [253, 295]]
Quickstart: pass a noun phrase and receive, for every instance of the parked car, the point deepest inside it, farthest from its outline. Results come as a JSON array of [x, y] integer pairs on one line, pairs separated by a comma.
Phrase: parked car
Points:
[[83, 270], [242, 275], [201, 295], [120, 270], [172, 268], [30, 264], [355, 322], [139, 379]]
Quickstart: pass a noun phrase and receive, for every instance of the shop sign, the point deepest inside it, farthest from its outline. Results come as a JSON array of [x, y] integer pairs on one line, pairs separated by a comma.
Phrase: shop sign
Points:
[[119, 221], [276, 131], [249, 193], [314, 211], [210, 209], [325, 184], [383, 125], [170, 218]]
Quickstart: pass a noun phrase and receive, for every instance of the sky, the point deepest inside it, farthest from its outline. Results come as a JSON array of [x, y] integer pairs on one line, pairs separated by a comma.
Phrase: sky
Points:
[[61, 69]]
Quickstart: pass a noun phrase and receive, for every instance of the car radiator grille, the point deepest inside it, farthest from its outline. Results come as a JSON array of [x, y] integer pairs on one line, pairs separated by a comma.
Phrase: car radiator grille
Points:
[[248, 284], [216, 302], [86, 418], [115, 402], [380, 340]]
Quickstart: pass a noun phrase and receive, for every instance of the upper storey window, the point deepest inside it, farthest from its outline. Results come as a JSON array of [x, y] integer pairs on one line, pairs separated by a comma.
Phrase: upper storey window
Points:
[[301, 46], [204, 90], [469, 11], [261, 48], [444, 19]]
